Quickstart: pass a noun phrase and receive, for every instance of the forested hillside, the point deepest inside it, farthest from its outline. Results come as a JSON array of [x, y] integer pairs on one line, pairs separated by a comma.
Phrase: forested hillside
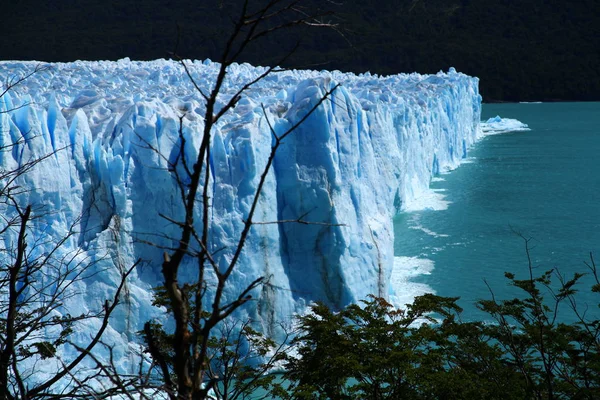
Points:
[[521, 49]]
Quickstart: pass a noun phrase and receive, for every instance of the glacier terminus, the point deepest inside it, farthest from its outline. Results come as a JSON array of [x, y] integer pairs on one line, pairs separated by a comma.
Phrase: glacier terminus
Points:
[[113, 130]]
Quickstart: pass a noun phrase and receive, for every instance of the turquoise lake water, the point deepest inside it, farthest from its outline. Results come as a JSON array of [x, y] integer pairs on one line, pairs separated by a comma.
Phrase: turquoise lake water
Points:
[[544, 183]]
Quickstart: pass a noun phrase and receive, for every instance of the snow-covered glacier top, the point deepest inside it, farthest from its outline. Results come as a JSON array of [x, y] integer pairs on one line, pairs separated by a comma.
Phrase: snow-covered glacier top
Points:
[[366, 154]]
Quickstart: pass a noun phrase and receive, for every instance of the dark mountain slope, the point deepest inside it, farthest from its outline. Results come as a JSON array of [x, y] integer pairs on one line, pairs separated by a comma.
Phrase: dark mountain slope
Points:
[[521, 49]]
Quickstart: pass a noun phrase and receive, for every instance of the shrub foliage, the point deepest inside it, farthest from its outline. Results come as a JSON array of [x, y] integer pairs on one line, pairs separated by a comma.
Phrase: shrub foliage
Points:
[[521, 351]]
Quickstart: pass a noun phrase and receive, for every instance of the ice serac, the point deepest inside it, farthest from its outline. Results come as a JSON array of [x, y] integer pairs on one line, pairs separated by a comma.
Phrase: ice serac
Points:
[[365, 154]]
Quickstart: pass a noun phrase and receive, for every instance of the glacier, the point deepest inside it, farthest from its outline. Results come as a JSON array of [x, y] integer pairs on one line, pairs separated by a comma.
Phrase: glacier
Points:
[[112, 128]]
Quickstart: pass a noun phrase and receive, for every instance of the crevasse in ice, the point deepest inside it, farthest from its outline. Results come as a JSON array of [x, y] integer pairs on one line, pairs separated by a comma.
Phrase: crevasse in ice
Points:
[[360, 158]]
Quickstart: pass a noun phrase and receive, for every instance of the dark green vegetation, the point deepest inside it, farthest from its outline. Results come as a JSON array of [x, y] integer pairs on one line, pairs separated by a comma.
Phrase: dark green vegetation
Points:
[[523, 351], [521, 49]]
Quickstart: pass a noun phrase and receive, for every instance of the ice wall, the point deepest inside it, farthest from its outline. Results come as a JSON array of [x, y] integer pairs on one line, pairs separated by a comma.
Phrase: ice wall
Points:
[[359, 159]]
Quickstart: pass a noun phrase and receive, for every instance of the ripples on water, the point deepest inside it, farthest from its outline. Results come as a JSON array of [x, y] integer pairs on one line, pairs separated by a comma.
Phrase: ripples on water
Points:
[[543, 184]]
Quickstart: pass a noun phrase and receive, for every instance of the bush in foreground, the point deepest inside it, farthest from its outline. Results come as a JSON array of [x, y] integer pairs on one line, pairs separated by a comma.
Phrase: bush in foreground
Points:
[[522, 351]]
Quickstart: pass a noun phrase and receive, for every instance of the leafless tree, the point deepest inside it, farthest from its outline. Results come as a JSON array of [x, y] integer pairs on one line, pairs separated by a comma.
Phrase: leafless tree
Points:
[[38, 274], [241, 361], [197, 311]]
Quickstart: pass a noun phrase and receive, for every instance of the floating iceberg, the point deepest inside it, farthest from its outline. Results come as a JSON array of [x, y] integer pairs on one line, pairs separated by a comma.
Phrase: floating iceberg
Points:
[[497, 125], [358, 160]]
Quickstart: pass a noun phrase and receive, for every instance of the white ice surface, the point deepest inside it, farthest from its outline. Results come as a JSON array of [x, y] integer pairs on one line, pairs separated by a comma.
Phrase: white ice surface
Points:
[[497, 125], [405, 269]]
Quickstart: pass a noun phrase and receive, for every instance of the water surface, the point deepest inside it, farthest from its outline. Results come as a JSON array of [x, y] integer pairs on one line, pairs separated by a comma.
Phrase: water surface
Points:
[[543, 184]]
